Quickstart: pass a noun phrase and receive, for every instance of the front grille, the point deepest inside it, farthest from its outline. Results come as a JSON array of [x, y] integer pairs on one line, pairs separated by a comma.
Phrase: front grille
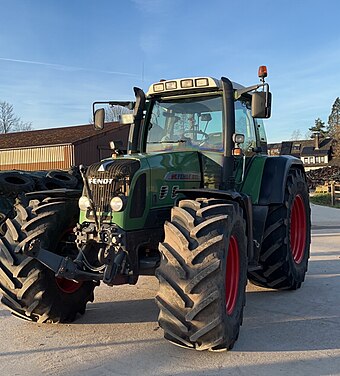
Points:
[[108, 179]]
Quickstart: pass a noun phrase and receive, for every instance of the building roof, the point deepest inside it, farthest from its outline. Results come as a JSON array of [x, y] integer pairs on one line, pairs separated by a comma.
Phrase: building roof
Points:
[[310, 151], [286, 147], [304, 147], [54, 136]]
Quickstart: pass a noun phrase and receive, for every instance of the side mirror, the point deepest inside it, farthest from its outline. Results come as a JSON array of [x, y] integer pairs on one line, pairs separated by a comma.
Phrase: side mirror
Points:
[[261, 104], [99, 119]]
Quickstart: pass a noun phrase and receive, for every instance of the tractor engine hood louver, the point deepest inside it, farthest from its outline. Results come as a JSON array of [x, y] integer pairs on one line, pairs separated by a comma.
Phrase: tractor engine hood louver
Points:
[[108, 179]]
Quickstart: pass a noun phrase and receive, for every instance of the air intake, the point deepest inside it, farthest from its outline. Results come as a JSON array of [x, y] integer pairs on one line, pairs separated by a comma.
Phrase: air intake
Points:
[[110, 181]]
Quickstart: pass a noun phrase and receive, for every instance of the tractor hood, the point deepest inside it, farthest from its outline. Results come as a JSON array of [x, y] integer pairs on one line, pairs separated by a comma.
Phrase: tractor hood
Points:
[[148, 183]]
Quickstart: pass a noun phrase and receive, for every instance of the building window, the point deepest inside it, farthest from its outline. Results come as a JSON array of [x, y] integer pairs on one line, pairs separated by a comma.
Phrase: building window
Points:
[[296, 147], [322, 159], [305, 160], [317, 159]]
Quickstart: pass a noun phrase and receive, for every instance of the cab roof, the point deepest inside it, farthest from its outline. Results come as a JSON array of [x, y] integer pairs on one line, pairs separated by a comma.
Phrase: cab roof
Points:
[[181, 85]]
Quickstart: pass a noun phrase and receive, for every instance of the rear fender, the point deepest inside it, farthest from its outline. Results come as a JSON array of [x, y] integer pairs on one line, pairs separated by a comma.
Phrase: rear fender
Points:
[[274, 178]]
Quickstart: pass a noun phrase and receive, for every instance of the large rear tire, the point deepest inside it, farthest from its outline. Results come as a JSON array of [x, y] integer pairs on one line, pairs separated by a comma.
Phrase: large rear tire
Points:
[[30, 290], [286, 240], [203, 274]]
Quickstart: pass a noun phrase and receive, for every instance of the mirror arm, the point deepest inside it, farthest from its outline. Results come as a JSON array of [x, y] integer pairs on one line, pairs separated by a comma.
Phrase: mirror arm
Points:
[[240, 92]]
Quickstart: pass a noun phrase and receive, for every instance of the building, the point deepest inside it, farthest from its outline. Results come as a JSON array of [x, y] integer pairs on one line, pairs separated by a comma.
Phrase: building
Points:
[[59, 148], [314, 153]]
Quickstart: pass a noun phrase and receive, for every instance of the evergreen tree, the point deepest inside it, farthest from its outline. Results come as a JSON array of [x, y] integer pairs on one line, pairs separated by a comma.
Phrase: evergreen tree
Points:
[[320, 127], [334, 127], [334, 119]]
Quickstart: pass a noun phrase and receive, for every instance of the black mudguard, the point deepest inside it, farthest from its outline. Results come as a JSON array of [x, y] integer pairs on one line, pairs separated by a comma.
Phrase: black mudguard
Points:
[[274, 178]]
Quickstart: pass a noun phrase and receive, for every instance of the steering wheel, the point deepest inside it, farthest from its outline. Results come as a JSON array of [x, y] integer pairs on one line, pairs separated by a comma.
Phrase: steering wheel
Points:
[[195, 131]]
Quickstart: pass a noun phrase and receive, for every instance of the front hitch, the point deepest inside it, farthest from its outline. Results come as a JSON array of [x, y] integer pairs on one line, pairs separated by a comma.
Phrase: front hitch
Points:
[[63, 267]]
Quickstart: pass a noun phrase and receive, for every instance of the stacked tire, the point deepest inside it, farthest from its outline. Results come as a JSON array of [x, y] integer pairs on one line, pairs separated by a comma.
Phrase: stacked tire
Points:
[[14, 183], [56, 179]]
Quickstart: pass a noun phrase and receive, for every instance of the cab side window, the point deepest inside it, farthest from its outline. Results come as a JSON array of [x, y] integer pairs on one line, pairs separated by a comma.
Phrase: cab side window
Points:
[[244, 124]]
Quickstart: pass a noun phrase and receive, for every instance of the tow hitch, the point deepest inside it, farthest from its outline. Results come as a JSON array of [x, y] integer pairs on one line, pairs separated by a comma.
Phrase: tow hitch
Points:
[[65, 267]]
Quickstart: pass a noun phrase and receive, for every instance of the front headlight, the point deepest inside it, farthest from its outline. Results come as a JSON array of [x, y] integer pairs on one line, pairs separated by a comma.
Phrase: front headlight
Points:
[[84, 203], [117, 203]]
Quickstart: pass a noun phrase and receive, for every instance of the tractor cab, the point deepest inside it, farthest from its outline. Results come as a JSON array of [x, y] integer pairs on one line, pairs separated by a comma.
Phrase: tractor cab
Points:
[[200, 113]]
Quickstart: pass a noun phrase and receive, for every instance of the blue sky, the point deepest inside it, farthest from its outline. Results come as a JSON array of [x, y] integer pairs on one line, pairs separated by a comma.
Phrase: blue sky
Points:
[[58, 56]]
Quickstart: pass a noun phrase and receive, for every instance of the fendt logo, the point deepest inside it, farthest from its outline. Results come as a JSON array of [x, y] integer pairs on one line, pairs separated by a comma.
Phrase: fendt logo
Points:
[[100, 181]]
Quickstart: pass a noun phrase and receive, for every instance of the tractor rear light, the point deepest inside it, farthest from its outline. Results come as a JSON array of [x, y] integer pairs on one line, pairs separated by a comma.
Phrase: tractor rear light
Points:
[[262, 71], [171, 85], [202, 82], [158, 87], [84, 203], [187, 83]]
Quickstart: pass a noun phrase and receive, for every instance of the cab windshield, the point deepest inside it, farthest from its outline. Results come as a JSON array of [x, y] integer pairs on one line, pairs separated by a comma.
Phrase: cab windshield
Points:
[[190, 123]]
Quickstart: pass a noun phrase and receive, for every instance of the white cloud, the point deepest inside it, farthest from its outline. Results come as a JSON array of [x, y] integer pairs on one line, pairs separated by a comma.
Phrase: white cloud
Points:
[[66, 67]]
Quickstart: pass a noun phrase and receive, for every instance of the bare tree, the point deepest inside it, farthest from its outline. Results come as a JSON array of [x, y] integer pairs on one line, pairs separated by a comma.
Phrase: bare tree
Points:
[[296, 135], [114, 111], [9, 122]]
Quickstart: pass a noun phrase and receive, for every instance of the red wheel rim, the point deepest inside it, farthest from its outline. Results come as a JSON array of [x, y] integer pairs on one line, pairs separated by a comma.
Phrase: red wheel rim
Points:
[[232, 275], [68, 286], [298, 228]]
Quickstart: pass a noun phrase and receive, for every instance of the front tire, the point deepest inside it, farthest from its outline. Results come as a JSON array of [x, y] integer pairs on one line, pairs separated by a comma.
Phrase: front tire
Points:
[[30, 290], [202, 274], [286, 241]]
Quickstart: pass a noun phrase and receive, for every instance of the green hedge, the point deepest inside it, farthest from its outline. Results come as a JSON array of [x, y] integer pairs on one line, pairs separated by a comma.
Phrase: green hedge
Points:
[[322, 199]]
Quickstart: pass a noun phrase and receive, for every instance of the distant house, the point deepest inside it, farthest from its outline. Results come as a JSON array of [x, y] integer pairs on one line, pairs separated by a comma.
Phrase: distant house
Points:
[[58, 148], [314, 153]]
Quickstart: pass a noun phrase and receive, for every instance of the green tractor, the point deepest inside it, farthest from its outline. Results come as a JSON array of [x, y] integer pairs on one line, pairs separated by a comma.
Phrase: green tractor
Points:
[[196, 201]]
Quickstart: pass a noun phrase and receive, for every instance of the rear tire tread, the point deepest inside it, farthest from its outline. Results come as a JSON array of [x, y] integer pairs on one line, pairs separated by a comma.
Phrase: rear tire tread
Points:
[[279, 270]]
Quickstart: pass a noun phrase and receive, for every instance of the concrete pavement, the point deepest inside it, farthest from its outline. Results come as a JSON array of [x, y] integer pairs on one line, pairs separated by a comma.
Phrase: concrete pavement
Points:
[[283, 333], [325, 221]]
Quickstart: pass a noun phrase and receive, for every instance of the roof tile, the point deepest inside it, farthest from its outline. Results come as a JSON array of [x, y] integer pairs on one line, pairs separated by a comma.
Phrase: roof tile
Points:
[[53, 136]]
